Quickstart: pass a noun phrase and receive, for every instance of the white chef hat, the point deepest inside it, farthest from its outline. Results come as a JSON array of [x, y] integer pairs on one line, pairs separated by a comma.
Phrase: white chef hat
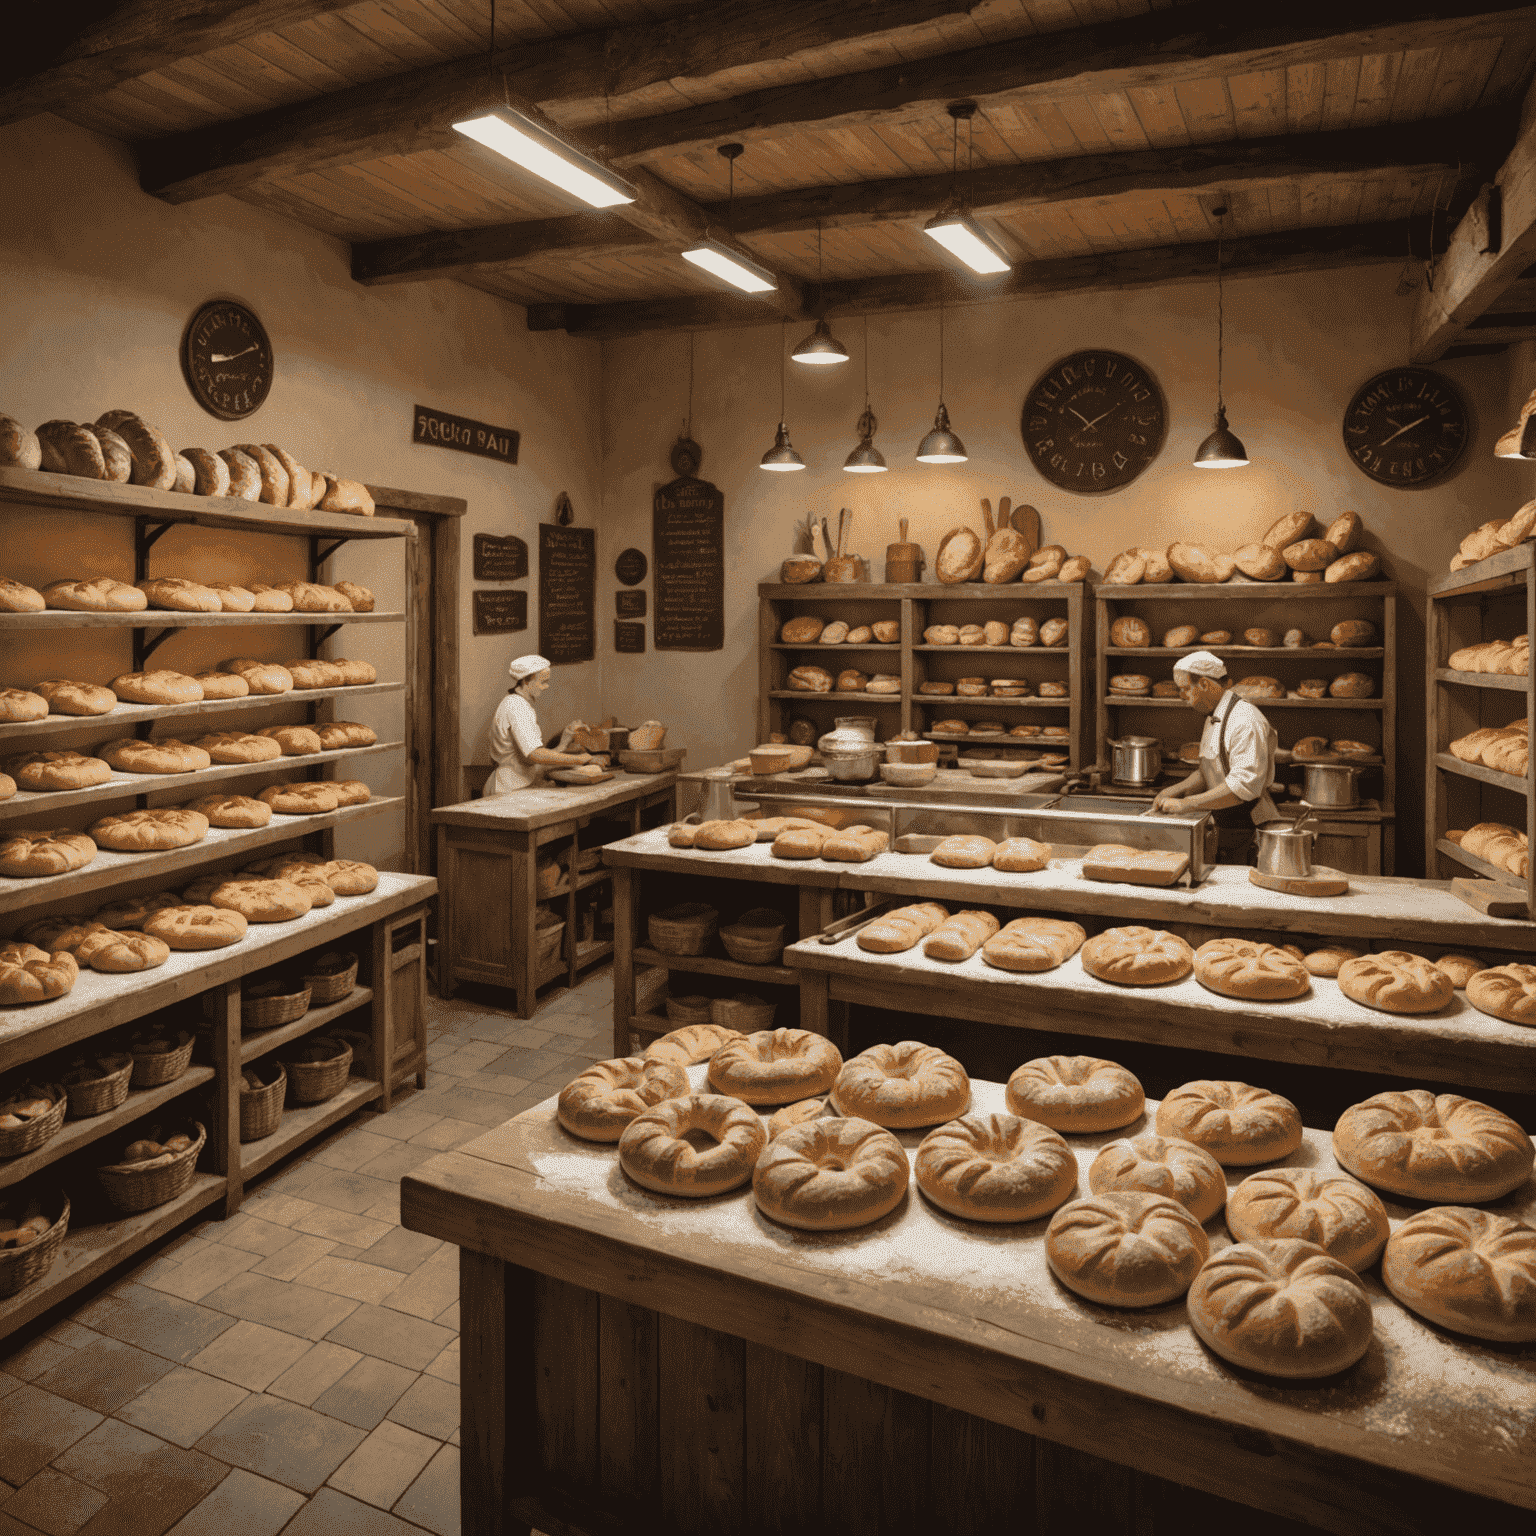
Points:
[[526, 666], [1200, 664]]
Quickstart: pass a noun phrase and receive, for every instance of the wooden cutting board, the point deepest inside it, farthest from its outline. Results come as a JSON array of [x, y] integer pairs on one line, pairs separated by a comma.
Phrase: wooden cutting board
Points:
[[1026, 522], [1323, 881], [1492, 897]]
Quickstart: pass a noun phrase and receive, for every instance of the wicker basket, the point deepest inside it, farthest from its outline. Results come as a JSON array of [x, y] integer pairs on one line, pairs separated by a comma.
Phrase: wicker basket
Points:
[[19, 1267], [548, 931], [272, 1002], [261, 1109], [31, 1134], [155, 1070], [362, 1048], [313, 1082], [688, 1010], [685, 929], [330, 977], [100, 1094], [756, 937], [131, 1191], [743, 1012]]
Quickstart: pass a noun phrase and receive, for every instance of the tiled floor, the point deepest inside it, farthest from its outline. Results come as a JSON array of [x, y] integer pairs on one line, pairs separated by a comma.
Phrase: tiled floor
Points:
[[295, 1369]]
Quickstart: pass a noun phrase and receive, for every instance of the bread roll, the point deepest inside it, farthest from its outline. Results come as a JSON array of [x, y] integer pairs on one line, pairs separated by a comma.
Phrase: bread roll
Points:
[[1396, 982], [1033, 944], [1238, 968], [1259, 562], [973, 634], [995, 632], [19, 447], [1021, 855], [1125, 570], [1076, 1094], [963, 851], [995, 1168], [1327, 960], [960, 935], [1360, 566], [1162, 1165], [1180, 636], [719, 836], [20, 704], [1471, 1271], [851, 680], [834, 633], [1130, 633], [901, 929], [887, 631], [1288, 529], [1053, 632], [1137, 957], [1194, 562], [1025, 632], [1340, 1215], [1261, 639], [1157, 569], [1343, 531], [1126, 1249], [804, 630], [950, 728], [1134, 683], [811, 680], [942, 634], [1309, 555], [1313, 688], [1237, 1124], [1076, 568], [1352, 685], [854, 845], [1216, 637], [1257, 686]]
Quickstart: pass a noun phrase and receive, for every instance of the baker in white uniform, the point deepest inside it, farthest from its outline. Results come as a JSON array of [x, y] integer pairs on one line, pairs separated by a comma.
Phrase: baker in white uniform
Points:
[[1237, 758], [517, 748]]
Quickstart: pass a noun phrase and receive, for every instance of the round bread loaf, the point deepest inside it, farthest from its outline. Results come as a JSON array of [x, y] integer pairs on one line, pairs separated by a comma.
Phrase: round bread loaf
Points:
[[18, 705], [1327, 960], [1353, 632], [942, 634], [1294, 639], [154, 460], [1258, 686], [1180, 636], [1131, 683], [194, 927], [32, 975], [1021, 855], [1282, 1308], [804, 630], [351, 877], [720, 836], [261, 901], [1025, 632], [239, 747], [1471, 1271], [350, 791], [829, 1175], [210, 474], [655, 1153], [166, 755], [1313, 688], [995, 632], [293, 740], [811, 680], [775, 1066], [67, 448], [1433, 1147], [141, 831], [1460, 968], [1240, 968], [597, 1104], [995, 1168], [244, 475], [303, 798], [1126, 1249], [1340, 1215], [159, 687], [222, 685], [120, 953], [1396, 982], [834, 633], [1259, 561], [1352, 685], [1033, 944], [1237, 1124], [1505, 992], [691, 1044], [19, 446], [261, 677], [1288, 529], [1125, 570], [1162, 1165], [131, 913], [1261, 639], [851, 680], [903, 1086], [1053, 632], [232, 811], [1137, 957], [1079, 1094], [950, 728], [65, 931], [973, 634], [59, 770], [102, 595], [1130, 632], [18, 597]]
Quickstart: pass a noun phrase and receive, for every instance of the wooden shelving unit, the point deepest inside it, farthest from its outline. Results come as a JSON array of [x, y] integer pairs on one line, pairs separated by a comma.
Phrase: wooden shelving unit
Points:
[[1495, 599], [917, 606]]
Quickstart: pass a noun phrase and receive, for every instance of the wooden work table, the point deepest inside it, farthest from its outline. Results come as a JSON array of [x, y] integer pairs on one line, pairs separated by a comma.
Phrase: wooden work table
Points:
[[633, 1360]]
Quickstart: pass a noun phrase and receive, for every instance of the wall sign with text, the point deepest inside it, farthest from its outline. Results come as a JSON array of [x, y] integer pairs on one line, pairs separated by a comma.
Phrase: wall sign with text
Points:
[[629, 605], [500, 559], [567, 593], [688, 542], [499, 613], [629, 639], [441, 430]]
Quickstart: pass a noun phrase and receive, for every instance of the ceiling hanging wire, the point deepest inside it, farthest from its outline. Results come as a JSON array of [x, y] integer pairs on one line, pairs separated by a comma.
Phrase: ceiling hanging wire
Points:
[[1222, 449], [820, 347], [782, 456], [953, 226], [723, 260], [866, 459], [941, 446]]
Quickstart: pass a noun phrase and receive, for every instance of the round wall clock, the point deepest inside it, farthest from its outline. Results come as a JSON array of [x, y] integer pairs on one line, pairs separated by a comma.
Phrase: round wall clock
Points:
[[227, 360], [1406, 427], [1094, 421]]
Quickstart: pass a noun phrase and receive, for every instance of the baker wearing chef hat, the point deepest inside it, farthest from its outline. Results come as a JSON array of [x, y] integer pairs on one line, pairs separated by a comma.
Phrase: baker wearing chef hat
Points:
[[517, 747], [1237, 758]]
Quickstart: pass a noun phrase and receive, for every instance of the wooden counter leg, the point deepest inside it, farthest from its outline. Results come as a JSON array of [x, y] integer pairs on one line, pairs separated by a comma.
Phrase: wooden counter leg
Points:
[[525, 905], [815, 1003], [226, 1093], [623, 957], [383, 1014], [815, 910], [496, 1382], [447, 982]]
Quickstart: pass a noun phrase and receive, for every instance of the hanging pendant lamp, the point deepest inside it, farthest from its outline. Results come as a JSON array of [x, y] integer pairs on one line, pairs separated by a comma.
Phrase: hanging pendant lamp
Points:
[[722, 260], [782, 456], [1223, 449], [821, 346], [866, 459], [941, 446], [953, 226]]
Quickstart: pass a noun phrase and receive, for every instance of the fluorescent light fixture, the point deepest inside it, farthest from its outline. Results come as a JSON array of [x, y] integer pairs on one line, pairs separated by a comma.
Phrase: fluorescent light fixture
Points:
[[731, 267], [525, 143], [962, 236]]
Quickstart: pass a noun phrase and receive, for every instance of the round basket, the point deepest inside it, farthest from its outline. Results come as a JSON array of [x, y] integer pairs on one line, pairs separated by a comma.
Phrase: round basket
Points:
[[743, 1012], [272, 1002], [261, 1109], [31, 1134], [131, 1190], [688, 1010], [155, 1069], [330, 977], [756, 937], [313, 1082], [102, 1093], [362, 1048], [19, 1267], [685, 929], [548, 931]]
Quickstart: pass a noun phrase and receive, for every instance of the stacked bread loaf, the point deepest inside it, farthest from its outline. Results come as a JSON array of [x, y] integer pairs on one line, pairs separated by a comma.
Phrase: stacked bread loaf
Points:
[[1287, 549], [1507, 658], [1502, 846], [1505, 748], [1493, 538]]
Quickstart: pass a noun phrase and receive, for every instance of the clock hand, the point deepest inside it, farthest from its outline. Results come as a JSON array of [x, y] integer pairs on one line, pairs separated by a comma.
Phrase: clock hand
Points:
[[1409, 428], [229, 357], [1079, 415], [1097, 419]]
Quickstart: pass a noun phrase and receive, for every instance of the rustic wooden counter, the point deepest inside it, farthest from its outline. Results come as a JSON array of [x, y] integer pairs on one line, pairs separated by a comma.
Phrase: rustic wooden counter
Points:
[[487, 857], [637, 1361]]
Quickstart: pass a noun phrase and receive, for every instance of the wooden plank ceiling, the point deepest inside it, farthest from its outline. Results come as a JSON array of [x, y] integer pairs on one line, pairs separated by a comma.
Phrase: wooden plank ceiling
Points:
[[1106, 133]]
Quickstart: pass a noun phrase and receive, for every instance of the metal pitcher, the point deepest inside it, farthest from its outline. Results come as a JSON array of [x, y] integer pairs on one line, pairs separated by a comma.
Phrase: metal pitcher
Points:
[[1286, 851], [719, 799]]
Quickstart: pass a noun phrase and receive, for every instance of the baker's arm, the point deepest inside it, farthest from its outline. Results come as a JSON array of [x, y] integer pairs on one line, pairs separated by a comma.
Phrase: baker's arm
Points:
[[1164, 799]]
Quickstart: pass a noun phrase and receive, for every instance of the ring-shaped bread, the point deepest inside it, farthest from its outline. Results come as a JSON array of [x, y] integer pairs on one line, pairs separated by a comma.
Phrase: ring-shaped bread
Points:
[[1079, 1094], [1162, 1165], [1236, 1123], [597, 1104], [1428, 1146], [691, 1043], [775, 1066], [1258, 972], [995, 1168], [829, 1175], [1468, 1270], [1339, 1214], [654, 1150], [903, 1086], [1126, 1249]]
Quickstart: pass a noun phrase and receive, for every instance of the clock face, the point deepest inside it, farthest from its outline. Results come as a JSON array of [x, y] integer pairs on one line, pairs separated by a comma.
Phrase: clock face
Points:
[[1094, 421], [1406, 427], [227, 360]]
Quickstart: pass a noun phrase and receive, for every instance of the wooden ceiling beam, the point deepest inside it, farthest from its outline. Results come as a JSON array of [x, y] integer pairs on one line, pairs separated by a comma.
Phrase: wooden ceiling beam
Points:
[[1307, 250], [59, 53]]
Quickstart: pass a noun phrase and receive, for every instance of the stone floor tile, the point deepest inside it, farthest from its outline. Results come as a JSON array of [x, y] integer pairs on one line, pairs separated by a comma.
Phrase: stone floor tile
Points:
[[150, 1485], [453, 1065], [486, 1109], [530, 1037], [71, 1335], [183, 1406], [384, 1465], [431, 1289], [242, 1505], [446, 1366], [250, 1355], [164, 1325], [104, 1375], [30, 1361], [55, 1504], [295, 1178], [480, 1050], [386, 1335], [569, 1023], [331, 1513], [35, 1427], [529, 1064], [343, 1227], [432, 1500], [443, 1135], [400, 1158], [402, 1124], [349, 1192], [402, 1250], [294, 1308], [429, 1406], [352, 1150], [366, 1393], [347, 1251], [320, 1367], [493, 1029], [503, 1085], [274, 1206], [294, 1257], [359, 1282], [255, 1234], [387, 1208], [9, 1384], [205, 1269], [455, 1437], [283, 1441], [450, 1318]]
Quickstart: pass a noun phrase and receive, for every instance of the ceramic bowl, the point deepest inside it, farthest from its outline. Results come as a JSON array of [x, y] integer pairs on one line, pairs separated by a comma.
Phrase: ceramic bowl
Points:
[[909, 775]]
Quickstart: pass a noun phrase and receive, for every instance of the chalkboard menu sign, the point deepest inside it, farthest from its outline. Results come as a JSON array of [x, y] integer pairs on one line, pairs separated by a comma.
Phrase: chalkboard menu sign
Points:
[[629, 638], [688, 538], [629, 605], [500, 559], [567, 593], [500, 613]]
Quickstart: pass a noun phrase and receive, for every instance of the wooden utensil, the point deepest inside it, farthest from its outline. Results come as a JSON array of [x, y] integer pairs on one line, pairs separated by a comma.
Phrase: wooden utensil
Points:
[[1026, 521], [841, 567], [904, 561], [1492, 897], [1323, 881]]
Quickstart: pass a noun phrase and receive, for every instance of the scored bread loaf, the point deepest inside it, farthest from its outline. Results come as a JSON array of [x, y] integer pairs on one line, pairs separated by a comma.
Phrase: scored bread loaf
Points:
[[1260, 561], [854, 845], [1033, 944], [960, 935], [902, 928], [1194, 562]]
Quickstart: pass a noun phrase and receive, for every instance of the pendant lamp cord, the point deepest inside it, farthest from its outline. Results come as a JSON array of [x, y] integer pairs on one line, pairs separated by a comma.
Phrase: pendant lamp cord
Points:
[[866, 365], [689, 430], [941, 341], [783, 343], [1221, 318]]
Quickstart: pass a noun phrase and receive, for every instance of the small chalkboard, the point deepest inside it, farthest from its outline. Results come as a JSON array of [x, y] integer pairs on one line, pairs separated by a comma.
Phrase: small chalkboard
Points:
[[499, 613], [630, 567], [688, 537], [567, 593], [629, 639], [500, 559], [629, 605]]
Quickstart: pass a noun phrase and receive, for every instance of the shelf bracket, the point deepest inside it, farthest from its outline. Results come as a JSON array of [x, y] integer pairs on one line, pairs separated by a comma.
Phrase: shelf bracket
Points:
[[144, 648], [318, 637], [324, 552], [146, 534]]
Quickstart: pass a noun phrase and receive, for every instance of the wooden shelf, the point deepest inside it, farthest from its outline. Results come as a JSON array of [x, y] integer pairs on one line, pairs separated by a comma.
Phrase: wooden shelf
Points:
[[590, 952], [842, 645], [75, 1134], [107, 868], [132, 714], [708, 965], [837, 698], [948, 700], [1487, 775], [1276, 652], [1481, 866], [926, 591], [303, 1121], [1500, 572], [159, 618], [587, 878], [1141, 702], [1483, 680], [996, 650], [261, 1042], [1179, 591], [26, 802]]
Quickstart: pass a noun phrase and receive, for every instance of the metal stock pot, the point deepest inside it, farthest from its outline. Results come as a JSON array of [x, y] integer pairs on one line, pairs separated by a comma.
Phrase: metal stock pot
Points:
[[1331, 785], [1137, 759]]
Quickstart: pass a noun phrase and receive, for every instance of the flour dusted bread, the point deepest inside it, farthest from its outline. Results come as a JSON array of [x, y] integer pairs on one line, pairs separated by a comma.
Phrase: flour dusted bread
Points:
[[1195, 562], [261, 901], [791, 1115], [775, 1066], [964, 851], [1240, 968], [232, 811], [1134, 866], [239, 747], [1033, 944], [902, 1086], [901, 928], [598, 1103], [1468, 1270], [1344, 1218], [303, 798], [165, 755], [1077, 1094], [1327, 960], [17, 597], [102, 595], [1235, 1122], [58, 770], [854, 845], [830, 1175], [194, 927], [655, 1152], [995, 1168], [18, 705], [32, 975], [1396, 982], [1021, 855], [1126, 1249], [1137, 957], [19, 446], [157, 687], [959, 936], [121, 953], [691, 1044], [142, 831], [261, 677], [1162, 1165], [1504, 992], [179, 595]]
